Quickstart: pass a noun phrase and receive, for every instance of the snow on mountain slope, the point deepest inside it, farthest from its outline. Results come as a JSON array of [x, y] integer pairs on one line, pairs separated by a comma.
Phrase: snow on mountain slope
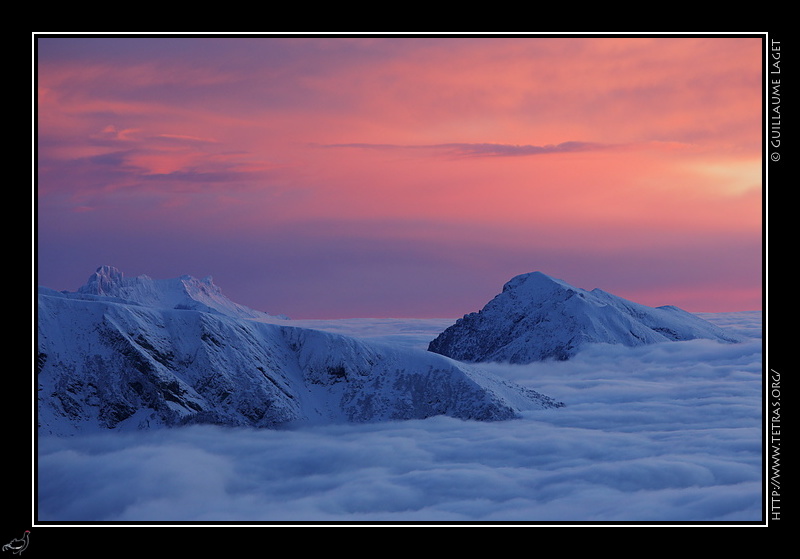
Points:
[[378, 381], [122, 354], [537, 317]]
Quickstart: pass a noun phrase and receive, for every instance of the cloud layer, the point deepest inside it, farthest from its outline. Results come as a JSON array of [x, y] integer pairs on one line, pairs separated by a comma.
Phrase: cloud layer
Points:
[[670, 432]]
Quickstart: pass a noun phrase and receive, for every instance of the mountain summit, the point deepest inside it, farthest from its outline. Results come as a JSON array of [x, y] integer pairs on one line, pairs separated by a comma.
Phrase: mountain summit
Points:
[[185, 292], [538, 317]]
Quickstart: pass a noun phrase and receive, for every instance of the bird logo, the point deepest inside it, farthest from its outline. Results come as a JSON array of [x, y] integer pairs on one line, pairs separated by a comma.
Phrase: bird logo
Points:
[[18, 545]]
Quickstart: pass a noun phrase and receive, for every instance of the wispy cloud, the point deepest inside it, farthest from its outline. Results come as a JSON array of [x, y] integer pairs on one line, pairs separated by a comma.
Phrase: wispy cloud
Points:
[[485, 149], [184, 138]]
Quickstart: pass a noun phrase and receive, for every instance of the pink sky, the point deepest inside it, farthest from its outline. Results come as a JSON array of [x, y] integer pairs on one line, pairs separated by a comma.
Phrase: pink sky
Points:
[[341, 177]]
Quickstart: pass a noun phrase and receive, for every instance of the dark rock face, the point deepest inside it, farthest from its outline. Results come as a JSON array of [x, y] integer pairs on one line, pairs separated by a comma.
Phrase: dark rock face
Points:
[[537, 317]]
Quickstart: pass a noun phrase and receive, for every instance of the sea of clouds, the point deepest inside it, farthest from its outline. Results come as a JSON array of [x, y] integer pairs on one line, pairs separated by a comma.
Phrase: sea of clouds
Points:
[[667, 432]]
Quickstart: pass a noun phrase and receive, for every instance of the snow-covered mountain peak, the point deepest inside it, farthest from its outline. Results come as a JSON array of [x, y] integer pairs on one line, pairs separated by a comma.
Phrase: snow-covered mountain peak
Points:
[[536, 285], [535, 281], [200, 288], [185, 292], [538, 317], [104, 281]]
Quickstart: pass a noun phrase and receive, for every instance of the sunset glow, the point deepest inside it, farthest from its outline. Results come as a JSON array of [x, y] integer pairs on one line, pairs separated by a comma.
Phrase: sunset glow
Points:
[[408, 177]]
